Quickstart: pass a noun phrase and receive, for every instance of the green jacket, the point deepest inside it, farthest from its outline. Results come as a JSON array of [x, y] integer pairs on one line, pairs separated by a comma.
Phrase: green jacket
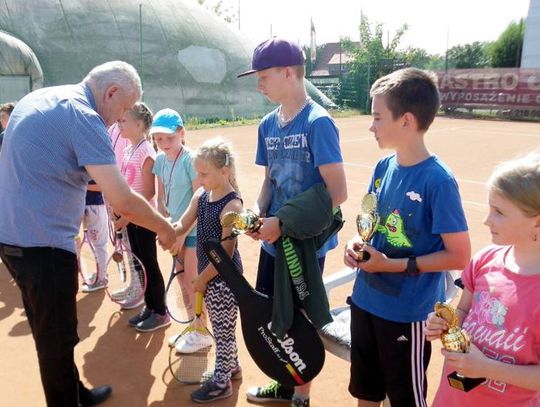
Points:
[[307, 222]]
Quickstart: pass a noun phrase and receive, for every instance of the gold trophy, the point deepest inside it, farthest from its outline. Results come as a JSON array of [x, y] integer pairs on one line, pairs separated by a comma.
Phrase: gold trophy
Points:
[[245, 221], [366, 223], [456, 340]]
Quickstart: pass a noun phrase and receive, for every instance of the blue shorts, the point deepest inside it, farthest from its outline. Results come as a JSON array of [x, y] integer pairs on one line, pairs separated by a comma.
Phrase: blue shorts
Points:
[[191, 241]]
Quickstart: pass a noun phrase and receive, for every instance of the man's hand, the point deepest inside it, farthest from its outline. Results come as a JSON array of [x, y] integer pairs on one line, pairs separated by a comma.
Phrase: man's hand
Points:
[[176, 248], [120, 222], [167, 237]]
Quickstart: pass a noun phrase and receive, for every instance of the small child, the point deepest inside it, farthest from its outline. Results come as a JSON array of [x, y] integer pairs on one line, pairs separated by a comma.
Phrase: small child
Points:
[[136, 167], [422, 233], [219, 194], [176, 186], [499, 306], [96, 221]]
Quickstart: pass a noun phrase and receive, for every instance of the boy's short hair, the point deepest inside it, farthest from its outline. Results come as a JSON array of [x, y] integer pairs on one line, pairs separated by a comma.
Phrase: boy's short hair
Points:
[[7, 107], [299, 70], [410, 90]]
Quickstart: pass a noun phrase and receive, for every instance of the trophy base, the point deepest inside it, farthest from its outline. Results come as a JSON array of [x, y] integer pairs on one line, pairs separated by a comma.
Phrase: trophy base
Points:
[[463, 383], [363, 256]]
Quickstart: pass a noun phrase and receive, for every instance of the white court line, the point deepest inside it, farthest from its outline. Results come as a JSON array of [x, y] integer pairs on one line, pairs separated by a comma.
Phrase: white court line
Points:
[[474, 203], [355, 182], [358, 165], [470, 181], [460, 180], [490, 132], [354, 139], [447, 129]]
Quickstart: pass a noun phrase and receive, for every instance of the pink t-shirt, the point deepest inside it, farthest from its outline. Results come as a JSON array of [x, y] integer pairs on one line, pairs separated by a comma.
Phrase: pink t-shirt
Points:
[[119, 143], [132, 165], [504, 323]]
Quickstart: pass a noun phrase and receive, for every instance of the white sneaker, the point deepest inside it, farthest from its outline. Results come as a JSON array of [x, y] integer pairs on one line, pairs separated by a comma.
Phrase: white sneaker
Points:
[[131, 303], [192, 342], [120, 294], [172, 340], [98, 285]]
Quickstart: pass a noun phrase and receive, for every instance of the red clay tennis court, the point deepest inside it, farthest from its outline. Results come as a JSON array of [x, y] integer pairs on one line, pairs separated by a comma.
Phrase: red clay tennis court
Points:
[[135, 364]]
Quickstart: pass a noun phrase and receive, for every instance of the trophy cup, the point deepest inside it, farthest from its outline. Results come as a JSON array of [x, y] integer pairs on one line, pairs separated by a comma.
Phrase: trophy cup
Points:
[[366, 223], [456, 340], [245, 221]]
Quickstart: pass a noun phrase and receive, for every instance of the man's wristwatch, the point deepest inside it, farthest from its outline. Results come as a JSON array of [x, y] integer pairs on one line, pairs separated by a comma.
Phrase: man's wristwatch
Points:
[[412, 268]]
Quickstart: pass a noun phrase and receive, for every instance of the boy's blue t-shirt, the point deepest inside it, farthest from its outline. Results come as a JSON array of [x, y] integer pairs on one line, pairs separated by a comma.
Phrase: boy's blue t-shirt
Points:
[[293, 154], [416, 205]]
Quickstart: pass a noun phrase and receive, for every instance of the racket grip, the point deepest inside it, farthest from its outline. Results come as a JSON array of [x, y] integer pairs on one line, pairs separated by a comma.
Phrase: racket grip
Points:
[[198, 303]]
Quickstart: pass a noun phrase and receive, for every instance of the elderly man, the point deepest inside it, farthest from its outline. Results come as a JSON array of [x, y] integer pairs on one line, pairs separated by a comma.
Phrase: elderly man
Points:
[[56, 142]]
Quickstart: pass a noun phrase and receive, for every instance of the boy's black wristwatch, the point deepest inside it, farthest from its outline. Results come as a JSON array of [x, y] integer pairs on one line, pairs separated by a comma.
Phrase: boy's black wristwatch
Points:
[[412, 268]]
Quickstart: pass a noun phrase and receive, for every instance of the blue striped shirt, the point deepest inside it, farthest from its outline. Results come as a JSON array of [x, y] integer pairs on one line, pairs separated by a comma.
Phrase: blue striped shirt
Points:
[[53, 134]]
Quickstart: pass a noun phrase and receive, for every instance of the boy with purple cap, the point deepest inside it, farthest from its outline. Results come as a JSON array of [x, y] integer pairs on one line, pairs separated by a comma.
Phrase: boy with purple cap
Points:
[[298, 144]]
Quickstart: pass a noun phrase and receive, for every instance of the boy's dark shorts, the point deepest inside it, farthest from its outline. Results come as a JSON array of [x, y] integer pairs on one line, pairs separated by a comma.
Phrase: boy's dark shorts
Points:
[[384, 355]]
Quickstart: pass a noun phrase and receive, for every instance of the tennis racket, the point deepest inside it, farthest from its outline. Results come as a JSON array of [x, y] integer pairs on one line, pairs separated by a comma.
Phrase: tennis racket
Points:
[[126, 274], [177, 300], [86, 259], [292, 361], [193, 368]]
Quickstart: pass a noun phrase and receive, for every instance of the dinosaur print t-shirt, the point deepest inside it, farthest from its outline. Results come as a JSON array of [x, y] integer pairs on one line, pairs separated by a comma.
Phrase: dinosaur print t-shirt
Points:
[[416, 205]]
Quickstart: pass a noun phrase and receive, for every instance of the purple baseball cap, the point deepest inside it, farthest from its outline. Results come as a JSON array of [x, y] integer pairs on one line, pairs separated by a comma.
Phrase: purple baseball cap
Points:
[[275, 52]]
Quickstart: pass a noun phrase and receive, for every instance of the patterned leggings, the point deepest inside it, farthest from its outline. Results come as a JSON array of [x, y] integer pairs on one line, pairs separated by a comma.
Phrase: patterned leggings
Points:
[[223, 312]]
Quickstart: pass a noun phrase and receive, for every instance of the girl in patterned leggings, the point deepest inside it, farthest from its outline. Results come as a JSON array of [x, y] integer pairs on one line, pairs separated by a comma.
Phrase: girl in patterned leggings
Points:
[[218, 194]]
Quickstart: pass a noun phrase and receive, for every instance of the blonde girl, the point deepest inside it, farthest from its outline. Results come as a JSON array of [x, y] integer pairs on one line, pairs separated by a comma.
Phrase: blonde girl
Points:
[[215, 166], [136, 167], [499, 307]]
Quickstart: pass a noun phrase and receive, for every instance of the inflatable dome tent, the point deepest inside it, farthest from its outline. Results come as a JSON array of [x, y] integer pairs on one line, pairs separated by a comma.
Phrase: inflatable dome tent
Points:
[[187, 57]]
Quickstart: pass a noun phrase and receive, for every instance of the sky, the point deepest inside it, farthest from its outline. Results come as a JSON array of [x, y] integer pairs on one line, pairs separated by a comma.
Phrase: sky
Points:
[[433, 24]]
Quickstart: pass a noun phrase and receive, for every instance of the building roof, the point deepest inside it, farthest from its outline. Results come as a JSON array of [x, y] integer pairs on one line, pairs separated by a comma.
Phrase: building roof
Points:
[[329, 60]]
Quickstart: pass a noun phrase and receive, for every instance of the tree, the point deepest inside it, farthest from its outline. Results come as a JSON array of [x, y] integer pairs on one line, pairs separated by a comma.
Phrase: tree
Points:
[[371, 59], [506, 50], [307, 53], [417, 57], [218, 7], [473, 55]]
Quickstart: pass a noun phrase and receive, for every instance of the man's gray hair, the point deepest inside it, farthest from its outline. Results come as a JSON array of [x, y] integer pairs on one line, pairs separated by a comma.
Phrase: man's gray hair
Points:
[[114, 73]]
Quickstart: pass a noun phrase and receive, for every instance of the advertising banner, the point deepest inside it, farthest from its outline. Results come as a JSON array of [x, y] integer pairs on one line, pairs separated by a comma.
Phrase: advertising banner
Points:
[[492, 88]]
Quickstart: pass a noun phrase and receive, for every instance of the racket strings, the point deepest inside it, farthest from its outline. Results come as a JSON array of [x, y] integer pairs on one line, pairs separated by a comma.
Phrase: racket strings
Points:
[[196, 367], [193, 367], [179, 303], [86, 260], [126, 276]]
